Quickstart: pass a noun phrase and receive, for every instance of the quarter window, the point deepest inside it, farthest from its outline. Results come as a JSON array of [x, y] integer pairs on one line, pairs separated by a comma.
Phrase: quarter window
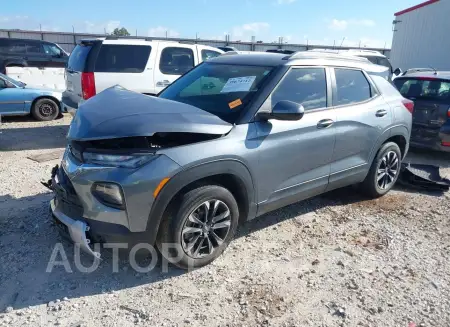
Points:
[[114, 58], [351, 86], [176, 60], [305, 86]]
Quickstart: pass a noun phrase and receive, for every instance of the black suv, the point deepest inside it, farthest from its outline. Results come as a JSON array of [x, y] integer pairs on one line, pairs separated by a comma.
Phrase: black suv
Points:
[[30, 53]]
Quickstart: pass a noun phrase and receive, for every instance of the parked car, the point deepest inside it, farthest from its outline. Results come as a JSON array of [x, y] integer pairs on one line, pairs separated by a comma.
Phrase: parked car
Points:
[[430, 91], [144, 66], [30, 53], [227, 48], [236, 137], [17, 99]]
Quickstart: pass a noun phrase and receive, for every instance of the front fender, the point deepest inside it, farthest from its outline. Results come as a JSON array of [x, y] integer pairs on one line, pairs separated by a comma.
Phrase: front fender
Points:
[[195, 173]]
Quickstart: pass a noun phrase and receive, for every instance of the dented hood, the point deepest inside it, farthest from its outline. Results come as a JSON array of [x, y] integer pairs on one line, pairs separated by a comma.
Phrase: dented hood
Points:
[[117, 112]]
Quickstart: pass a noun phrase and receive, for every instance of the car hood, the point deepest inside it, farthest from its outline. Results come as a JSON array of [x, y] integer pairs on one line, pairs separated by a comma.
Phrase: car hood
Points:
[[117, 112]]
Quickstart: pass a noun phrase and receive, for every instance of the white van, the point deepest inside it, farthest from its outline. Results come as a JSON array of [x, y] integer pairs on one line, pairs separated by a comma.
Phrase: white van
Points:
[[140, 65]]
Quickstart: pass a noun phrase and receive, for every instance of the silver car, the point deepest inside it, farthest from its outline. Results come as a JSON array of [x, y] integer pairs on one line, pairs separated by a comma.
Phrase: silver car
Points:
[[234, 138]]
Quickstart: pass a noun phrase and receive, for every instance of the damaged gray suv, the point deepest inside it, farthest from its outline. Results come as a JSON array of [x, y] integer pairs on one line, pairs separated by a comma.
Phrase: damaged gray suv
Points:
[[234, 138]]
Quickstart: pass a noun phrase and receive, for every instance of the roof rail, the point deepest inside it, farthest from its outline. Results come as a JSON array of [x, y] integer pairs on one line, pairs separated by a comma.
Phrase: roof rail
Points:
[[326, 55], [113, 37], [418, 70]]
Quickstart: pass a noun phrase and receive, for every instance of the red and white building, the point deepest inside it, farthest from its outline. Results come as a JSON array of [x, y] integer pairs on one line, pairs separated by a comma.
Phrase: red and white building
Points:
[[422, 36]]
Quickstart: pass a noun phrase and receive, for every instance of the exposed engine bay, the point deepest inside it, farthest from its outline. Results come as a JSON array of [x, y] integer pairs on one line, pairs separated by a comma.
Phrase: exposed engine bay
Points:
[[140, 143]]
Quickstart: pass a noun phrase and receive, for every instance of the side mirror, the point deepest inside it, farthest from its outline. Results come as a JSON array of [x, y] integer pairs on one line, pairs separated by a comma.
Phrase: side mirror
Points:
[[285, 110], [3, 84], [397, 71]]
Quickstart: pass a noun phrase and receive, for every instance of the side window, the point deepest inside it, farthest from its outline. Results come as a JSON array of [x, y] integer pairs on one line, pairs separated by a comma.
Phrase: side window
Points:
[[51, 50], [208, 54], [176, 60], [33, 48], [114, 58], [17, 47], [306, 86], [351, 86]]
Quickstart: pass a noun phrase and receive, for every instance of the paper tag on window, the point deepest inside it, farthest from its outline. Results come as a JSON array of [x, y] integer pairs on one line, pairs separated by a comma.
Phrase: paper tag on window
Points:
[[235, 103], [238, 84]]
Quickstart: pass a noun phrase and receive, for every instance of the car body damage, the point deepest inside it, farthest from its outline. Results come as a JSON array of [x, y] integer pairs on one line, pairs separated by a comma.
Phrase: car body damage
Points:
[[117, 113]]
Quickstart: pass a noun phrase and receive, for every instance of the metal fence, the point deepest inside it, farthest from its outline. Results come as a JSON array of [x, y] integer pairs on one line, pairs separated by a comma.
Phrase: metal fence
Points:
[[68, 41]]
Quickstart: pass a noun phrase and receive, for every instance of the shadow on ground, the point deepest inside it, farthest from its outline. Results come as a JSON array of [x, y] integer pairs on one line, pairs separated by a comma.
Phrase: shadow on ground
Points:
[[33, 138]]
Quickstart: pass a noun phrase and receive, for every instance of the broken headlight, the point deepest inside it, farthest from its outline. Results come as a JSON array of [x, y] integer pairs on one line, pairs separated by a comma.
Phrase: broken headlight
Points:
[[117, 160]]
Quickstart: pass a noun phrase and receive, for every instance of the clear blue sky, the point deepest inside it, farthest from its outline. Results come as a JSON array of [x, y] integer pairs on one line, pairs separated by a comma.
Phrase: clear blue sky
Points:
[[319, 21]]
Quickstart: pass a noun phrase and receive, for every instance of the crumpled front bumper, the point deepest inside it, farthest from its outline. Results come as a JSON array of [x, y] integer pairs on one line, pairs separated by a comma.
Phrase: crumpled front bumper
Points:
[[76, 229]]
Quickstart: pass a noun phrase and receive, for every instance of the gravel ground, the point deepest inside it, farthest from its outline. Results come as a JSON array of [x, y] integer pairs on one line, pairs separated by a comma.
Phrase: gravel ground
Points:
[[334, 260]]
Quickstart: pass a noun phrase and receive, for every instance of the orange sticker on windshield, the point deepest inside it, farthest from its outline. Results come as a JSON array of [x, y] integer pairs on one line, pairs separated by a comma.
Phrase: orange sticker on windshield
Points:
[[235, 103]]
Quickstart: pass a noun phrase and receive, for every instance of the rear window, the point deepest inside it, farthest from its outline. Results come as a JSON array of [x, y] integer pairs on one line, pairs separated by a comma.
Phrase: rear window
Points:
[[78, 57], [114, 58], [426, 89]]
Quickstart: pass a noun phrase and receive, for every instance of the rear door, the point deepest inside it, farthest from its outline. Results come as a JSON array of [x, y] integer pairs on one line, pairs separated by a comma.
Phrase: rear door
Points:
[[431, 98], [128, 65], [172, 61], [362, 116], [12, 99]]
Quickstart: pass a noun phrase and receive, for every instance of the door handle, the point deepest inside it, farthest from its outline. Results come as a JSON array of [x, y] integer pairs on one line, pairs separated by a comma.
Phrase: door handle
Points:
[[324, 123], [163, 83], [381, 113]]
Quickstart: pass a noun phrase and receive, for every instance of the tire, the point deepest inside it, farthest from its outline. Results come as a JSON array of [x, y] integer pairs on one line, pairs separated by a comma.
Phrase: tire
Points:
[[373, 185], [178, 232], [45, 109]]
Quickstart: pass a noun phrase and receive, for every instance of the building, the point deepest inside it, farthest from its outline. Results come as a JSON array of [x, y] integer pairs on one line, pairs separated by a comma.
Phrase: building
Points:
[[422, 36]]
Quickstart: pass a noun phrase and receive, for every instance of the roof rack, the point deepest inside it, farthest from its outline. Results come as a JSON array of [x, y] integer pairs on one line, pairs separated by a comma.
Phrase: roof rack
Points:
[[418, 70], [363, 50], [326, 55], [113, 37]]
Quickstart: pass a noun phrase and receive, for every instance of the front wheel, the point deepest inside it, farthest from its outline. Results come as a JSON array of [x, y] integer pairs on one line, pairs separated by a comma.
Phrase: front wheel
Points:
[[201, 229], [384, 171], [45, 109]]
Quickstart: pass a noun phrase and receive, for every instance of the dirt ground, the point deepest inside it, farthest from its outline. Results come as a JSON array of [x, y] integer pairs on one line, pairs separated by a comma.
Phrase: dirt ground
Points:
[[334, 260]]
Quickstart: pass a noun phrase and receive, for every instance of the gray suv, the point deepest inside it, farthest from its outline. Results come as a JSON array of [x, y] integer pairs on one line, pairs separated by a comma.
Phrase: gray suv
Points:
[[234, 138]]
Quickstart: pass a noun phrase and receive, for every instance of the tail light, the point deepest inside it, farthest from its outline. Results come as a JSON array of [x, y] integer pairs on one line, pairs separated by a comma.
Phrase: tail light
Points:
[[448, 113], [88, 85], [409, 105]]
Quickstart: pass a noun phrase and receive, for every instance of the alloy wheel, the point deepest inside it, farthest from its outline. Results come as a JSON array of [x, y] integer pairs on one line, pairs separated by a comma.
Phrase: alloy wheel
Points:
[[206, 228], [388, 170]]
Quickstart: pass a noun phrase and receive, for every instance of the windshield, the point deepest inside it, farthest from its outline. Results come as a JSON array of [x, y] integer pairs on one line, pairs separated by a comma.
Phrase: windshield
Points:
[[11, 80], [221, 89]]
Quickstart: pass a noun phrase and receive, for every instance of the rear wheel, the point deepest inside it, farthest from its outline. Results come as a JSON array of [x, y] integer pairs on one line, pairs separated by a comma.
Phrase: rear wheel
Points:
[[384, 171], [201, 229], [45, 109]]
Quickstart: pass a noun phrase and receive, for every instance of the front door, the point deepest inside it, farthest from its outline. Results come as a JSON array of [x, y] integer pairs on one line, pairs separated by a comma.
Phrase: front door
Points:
[[295, 156], [362, 116], [171, 63]]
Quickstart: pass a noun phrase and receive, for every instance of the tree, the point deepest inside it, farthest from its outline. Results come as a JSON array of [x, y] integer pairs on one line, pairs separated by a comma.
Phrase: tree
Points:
[[120, 32]]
